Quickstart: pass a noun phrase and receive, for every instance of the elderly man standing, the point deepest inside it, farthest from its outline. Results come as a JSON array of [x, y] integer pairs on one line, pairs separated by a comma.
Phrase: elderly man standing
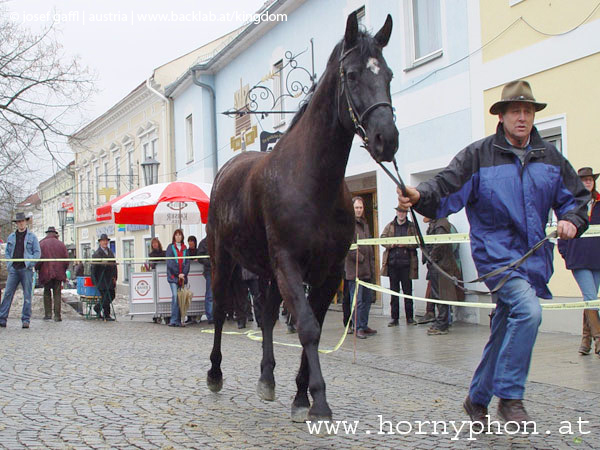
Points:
[[52, 273], [104, 276], [508, 183], [22, 244]]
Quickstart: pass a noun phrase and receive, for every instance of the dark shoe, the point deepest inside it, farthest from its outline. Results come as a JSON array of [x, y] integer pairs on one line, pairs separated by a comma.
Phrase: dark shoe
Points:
[[350, 330], [477, 413], [514, 411], [410, 320], [2, 325], [291, 329], [47, 318], [250, 318], [174, 325], [241, 325], [360, 334], [109, 319], [190, 320], [210, 321], [25, 325], [393, 323], [433, 331], [57, 319], [427, 318], [370, 331]]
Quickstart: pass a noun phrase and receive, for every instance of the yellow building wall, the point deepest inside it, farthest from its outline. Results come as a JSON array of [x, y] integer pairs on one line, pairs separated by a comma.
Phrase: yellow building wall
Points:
[[572, 90], [508, 25]]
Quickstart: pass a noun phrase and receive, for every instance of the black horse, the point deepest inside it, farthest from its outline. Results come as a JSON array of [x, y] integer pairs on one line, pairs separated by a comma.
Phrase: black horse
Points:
[[287, 215]]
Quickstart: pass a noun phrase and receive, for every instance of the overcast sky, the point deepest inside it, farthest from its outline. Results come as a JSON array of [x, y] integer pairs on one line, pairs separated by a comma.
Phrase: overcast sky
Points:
[[124, 40]]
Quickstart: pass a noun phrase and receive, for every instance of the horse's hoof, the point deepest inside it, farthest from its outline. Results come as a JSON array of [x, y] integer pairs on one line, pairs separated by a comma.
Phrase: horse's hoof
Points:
[[299, 414], [214, 385], [265, 391]]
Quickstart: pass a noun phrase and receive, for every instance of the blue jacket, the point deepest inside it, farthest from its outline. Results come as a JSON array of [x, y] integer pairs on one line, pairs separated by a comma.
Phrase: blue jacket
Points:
[[173, 264], [31, 249], [508, 203], [583, 253]]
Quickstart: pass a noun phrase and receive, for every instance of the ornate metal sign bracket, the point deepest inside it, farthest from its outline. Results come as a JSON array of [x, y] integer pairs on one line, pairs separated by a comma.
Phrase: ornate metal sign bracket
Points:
[[294, 86]]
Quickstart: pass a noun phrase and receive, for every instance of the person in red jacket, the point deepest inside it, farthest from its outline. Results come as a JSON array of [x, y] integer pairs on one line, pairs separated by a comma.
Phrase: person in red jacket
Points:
[[52, 273], [582, 257]]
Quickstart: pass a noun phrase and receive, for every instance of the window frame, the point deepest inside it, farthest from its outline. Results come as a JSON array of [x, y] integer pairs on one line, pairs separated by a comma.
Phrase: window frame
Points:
[[189, 138], [412, 60]]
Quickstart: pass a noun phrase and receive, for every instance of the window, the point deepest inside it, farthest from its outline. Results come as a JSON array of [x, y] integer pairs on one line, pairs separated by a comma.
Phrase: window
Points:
[[425, 30], [96, 183], [86, 251], [118, 174], [105, 163], [80, 189], [130, 165], [90, 191], [189, 138], [278, 91], [128, 252], [147, 246]]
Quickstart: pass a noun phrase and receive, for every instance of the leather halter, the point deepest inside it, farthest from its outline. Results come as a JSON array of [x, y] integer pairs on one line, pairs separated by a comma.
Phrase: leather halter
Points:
[[357, 121]]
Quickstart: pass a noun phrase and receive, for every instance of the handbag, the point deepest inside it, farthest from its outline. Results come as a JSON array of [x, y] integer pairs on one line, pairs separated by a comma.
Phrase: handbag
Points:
[[184, 299]]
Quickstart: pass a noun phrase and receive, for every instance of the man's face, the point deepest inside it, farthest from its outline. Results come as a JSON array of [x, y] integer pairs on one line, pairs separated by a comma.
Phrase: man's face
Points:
[[588, 182], [518, 122], [104, 243], [401, 215], [21, 225], [358, 209]]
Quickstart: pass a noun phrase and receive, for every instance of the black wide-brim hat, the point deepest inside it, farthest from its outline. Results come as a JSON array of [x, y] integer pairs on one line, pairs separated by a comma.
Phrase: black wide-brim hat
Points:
[[103, 237], [20, 216], [52, 230], [516, 91], [587, 172]]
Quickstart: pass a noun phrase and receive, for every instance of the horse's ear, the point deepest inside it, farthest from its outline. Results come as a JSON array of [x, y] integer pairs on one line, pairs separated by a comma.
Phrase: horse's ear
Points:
[[383, 36], [351, 30]]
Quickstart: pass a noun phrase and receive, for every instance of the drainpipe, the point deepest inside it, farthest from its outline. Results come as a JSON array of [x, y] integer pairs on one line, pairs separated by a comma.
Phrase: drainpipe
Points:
[[210, 89]]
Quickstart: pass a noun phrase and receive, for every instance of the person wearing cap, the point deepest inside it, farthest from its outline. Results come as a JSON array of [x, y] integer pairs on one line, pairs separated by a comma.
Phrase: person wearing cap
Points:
[[582, 258], [21, 244], [52, 273], [104, 277], [400, 263], [508, 182]]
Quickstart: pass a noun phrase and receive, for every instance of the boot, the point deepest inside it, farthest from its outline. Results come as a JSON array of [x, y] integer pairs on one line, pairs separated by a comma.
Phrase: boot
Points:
[[593, 321], [586, 338]]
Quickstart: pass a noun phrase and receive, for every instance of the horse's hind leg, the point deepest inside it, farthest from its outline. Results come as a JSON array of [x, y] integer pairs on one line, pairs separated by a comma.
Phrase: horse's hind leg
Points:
[[221, 274], [319, 299], [270, 312]]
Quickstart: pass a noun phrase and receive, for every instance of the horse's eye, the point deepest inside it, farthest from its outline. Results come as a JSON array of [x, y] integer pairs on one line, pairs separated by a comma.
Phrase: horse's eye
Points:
[[352, 76]]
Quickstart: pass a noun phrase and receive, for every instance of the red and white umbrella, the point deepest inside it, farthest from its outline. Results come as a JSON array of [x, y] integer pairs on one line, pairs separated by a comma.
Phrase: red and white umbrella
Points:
[[178, 202]]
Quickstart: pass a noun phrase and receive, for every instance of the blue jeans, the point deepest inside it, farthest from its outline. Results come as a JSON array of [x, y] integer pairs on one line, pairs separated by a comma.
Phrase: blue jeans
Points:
[[208, 303], [589, 282], [363, 304], [507, 355], [25, 278], [175, 319]]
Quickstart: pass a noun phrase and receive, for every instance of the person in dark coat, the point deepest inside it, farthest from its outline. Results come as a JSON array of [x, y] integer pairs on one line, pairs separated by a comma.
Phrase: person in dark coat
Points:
[[156, 251], [441, 288], [582, 257], [52, 273], [365, 271], [508, 183], [177, 272], [400, 263], [208, 303], [104, 277]]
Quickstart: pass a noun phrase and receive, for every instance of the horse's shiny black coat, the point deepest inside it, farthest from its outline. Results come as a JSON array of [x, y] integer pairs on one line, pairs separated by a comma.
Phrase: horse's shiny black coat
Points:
[[287, 215]]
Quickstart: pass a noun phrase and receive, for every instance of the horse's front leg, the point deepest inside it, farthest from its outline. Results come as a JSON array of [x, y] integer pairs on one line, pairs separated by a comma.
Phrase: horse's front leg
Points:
[[270, 313], [289, 280]]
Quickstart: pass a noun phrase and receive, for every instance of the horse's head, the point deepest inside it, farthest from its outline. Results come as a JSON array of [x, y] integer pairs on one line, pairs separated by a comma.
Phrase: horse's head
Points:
[[365, 104]]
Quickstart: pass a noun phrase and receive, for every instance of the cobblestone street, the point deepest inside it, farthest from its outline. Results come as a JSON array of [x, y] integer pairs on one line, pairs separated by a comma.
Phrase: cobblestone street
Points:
[[132, 383]]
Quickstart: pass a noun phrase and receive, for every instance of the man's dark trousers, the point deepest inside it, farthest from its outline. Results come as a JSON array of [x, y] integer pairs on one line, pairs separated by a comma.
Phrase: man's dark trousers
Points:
[[52, 291], [399, 276]]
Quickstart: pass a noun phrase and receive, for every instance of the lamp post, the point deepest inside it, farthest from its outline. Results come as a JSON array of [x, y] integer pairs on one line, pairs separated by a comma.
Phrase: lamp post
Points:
[[62, 219], [150, 169]]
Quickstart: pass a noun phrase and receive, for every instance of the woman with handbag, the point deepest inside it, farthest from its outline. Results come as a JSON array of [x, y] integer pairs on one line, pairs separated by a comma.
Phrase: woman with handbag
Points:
[[177, 272]]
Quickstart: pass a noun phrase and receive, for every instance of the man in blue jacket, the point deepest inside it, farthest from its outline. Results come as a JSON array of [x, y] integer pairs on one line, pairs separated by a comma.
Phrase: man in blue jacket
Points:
[[508, 182], [22, 244]]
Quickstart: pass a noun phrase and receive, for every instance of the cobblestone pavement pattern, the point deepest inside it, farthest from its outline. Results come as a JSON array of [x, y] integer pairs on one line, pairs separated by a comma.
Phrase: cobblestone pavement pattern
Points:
[[127, 384]]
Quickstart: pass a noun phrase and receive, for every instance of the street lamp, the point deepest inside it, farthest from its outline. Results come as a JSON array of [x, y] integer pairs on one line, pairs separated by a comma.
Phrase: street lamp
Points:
[[150, 169], [62, 219]]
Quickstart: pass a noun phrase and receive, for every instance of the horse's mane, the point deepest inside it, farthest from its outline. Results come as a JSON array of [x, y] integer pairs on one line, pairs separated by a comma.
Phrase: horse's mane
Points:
[[365, 46]]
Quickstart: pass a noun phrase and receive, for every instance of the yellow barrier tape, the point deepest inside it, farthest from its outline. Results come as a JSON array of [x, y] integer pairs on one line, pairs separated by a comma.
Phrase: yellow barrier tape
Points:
[[554, 306], [105, 260], [253, 334], [592, 231]]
